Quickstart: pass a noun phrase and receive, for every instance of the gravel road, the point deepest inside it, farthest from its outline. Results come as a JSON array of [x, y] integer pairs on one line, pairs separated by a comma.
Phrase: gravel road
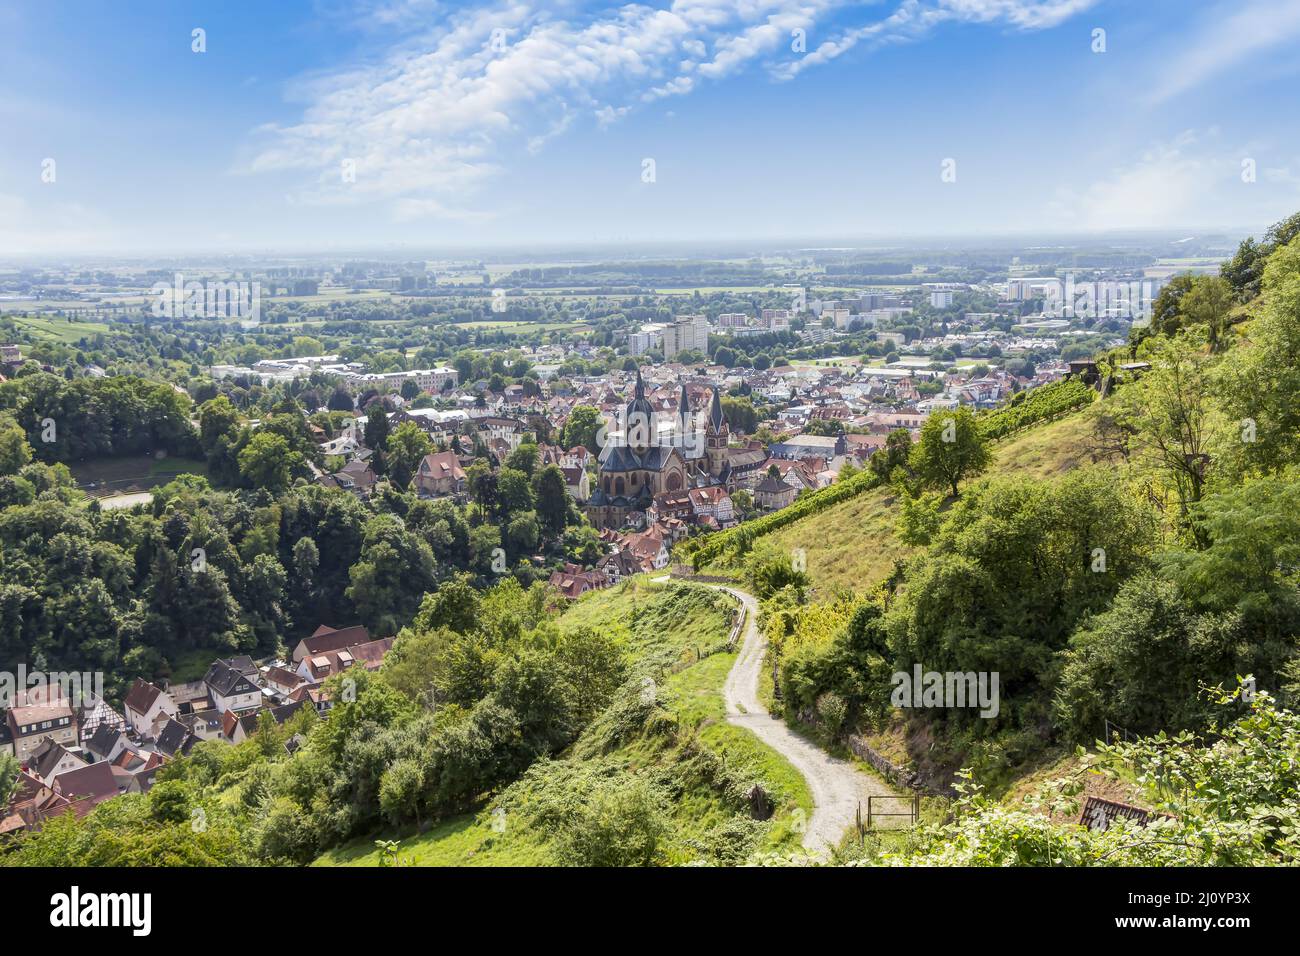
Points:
[[837, 786]]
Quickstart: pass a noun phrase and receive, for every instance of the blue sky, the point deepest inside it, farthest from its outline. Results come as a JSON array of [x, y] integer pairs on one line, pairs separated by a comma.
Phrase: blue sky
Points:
[[530, 121]]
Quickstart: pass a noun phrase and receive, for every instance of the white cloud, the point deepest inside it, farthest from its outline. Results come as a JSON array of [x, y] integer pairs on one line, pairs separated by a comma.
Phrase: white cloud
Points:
[[1193, 179], [434, 116], [1227, 37], [914, 19]]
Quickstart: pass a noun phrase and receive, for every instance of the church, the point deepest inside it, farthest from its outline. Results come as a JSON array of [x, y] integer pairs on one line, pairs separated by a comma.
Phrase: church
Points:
[[649, 454]]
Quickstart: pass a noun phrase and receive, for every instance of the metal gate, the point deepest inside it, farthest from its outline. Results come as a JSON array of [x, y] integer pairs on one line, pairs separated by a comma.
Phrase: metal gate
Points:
[[882, 811]]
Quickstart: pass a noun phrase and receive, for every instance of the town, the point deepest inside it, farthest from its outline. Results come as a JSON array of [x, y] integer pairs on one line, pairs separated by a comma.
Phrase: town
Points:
[[693, 435], [655, 450]]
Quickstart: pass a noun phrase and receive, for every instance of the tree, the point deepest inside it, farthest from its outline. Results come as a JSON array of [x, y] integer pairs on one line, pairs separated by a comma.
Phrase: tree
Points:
[[454, 605], [9, 768], [401, 788], [551, 494], [1141, 662], [950, 450], [482, 484], [514, 493], [407, 446], [522, 533], [340, 401], [1170, 416], [1166, 310], [740, 414], [266, 462], [1016, 565], [582, 428], [14, 450], [377, 427], [395, 569], [1258, 382], [619, 824], [217, 419], [1208, 302], [895, 454], [524, 458], [1245, 271]]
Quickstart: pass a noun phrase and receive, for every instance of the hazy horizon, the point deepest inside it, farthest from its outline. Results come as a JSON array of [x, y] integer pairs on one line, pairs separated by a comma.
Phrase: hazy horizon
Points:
[[686, 247]]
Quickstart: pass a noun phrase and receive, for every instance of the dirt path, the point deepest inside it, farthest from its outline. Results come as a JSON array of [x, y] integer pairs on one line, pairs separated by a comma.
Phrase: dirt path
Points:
[[837, 786]]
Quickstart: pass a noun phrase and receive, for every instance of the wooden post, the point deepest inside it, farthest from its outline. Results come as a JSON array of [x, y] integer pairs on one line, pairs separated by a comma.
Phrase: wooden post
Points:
[[869, 799]]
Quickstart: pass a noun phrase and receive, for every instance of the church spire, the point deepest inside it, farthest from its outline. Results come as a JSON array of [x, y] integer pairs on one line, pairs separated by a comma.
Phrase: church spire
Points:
[[684, 404], [716, 418]]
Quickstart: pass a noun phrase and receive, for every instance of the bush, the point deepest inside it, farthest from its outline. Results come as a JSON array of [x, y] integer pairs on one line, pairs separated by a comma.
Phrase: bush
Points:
[[621, 824]]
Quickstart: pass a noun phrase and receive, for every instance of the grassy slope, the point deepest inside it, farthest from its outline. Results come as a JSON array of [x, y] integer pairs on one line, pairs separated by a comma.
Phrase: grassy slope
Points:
[[684, 650], [852, 544]]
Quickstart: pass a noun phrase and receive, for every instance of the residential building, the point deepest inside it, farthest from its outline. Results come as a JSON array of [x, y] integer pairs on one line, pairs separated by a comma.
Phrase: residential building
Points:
[[145, 705], [230, 688], [439, 475]]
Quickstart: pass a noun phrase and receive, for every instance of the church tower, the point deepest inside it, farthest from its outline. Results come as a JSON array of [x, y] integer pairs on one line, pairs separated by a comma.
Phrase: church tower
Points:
[[716, 435], [640, 420], [685, 439]]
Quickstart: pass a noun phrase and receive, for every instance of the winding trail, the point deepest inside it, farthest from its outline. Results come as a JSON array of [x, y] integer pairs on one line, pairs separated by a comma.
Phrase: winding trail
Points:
[[838, 787]]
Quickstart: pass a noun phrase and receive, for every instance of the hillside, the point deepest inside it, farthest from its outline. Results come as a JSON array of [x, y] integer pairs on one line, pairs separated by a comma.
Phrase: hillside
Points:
[[852, 544], [667, 740]]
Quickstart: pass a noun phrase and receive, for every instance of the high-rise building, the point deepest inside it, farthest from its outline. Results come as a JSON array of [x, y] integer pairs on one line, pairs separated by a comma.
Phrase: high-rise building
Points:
[[687, 332]]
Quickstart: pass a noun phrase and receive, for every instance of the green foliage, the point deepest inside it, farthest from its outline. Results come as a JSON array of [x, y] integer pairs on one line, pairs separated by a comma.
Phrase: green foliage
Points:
[[99, 417], [770, 569], [406, 447], [9, 769], [14, 450], [1140, 663], [266, 462], [1012, 569], [173, 829], [582, 428], [1032, 407], [950, 450], [623, 824], [740, 414], [1245, 271], [1227, 797], [1259, 380]]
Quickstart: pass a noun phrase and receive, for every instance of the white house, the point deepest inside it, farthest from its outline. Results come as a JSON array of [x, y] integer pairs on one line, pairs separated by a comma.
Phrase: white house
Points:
[[145, 705], [230, 688]]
